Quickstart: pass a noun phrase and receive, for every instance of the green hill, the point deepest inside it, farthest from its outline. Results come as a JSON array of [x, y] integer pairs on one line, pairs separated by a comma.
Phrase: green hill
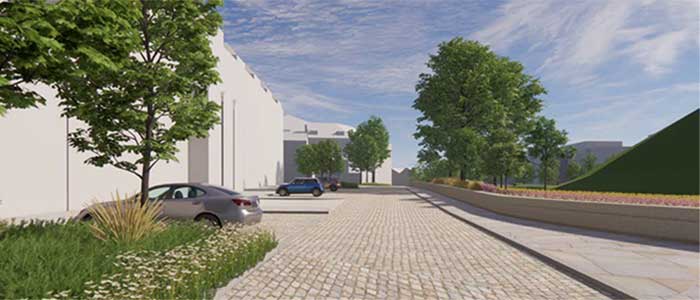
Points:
[[664, 163]]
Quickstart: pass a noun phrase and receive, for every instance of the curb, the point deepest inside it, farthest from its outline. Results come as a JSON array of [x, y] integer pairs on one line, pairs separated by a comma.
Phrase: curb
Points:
[[572, 273], [294, 212]]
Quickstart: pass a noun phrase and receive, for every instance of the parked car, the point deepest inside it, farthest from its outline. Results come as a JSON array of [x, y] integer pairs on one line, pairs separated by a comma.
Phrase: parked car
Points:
[[200, 202], [301, 186], [331, 184]]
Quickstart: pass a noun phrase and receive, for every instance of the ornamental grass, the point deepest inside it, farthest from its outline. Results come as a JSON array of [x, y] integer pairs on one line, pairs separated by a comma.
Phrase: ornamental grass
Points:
[[125, 219]]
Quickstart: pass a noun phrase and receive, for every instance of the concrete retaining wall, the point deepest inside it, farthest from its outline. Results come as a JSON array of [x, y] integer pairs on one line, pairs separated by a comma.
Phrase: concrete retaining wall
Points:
[[673, 223]]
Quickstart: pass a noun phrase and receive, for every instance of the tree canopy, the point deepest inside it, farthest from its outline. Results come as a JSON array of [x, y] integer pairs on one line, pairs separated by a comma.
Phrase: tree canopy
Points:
[[323, 159], [146, 92], [369, 146], [476, 108], [546, 143], [28, 49]]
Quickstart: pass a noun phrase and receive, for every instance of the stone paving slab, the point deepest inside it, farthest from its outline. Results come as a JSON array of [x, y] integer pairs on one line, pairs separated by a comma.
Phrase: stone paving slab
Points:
[[641, 267], [390, 244]]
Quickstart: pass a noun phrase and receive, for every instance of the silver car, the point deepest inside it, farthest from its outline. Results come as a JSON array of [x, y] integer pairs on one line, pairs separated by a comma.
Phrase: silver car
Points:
[[200, 202]]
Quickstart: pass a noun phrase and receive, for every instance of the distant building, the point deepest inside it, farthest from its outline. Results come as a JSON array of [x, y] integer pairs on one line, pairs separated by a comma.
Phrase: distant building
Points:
[[401, 176], [602, 150], [299, 132]]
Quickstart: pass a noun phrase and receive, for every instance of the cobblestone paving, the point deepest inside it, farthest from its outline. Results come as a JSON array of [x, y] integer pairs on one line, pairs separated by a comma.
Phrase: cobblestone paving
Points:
[[390, 244]]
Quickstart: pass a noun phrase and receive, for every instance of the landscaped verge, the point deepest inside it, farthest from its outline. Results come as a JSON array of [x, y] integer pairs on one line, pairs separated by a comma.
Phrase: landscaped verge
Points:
[[661, 222], [64, 260], [610, 197]]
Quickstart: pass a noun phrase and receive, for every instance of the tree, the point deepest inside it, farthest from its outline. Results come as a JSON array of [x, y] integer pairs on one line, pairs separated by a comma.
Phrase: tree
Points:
[[376, 130], [306, 160], [588, 163], [471, 93], [573, 170], [150, 91], [525, 173], [330, 157], [548, 172], [546, 144], [360, 151], [27, 51]]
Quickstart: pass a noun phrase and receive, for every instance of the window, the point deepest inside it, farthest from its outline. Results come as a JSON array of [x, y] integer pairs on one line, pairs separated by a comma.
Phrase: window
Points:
[[226, 191], [298, 181], [158, 193], [184, 192], [310, 181]]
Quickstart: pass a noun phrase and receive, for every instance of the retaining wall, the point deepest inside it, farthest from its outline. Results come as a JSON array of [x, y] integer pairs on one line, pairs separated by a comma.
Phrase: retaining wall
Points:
[[661, 222]]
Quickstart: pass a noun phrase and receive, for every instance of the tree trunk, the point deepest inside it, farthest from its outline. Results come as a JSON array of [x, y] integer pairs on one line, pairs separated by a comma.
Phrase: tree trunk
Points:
[[373, 174], [506, 179], [544, 180], [462, 174], [449, 173], [360, 177], [146, 166]]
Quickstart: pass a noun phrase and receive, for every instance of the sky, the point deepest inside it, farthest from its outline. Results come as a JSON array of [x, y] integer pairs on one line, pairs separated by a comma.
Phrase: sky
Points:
[[614, 70]]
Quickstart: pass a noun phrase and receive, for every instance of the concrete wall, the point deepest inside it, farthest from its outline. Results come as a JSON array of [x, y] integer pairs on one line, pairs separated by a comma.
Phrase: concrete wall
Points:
[[661, 222], [402, 177], [40, 174], [290, 164]]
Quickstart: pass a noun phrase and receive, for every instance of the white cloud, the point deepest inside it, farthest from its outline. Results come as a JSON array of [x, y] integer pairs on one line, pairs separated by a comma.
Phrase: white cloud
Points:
[[579, 37]]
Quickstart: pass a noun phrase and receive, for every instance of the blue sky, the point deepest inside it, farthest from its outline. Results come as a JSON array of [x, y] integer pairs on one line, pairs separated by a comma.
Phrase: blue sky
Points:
[[614, 70]]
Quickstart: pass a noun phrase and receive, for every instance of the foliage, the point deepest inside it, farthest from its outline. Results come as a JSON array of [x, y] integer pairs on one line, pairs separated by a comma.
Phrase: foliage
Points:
[[588, 163], [428, 170], [125, 219], [476, 107], [664, 163], [187, 271], [349, 185], [550, 171], [547, 145], [330, 157], [324, 158], [360, 151], [305, 158], [28, 45], [573, 169], [608, 197], [42, 256], [467, 184], [369, 146], [525, 173], [146, 92]]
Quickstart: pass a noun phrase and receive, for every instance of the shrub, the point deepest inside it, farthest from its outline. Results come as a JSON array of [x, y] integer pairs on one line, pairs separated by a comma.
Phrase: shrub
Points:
[[189, 271], [4, 224], [125, 220], [349, 185], [42, 256]]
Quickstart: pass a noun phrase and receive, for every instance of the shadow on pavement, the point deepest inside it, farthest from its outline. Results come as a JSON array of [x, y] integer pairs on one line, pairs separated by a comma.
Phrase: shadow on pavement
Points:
[[560, 228]]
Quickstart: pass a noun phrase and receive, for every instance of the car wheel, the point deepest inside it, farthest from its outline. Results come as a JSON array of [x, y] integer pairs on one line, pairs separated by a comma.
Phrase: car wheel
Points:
[[316, 192], [209, 219], [334, 187], [283, 192]]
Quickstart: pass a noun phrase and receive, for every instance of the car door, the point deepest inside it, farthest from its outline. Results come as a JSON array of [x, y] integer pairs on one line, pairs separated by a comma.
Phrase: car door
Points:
[[309, 185], [296, 186], [183, 202], [159, 193]]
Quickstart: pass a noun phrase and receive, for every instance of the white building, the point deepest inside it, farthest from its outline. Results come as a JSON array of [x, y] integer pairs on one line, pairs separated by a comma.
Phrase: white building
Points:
[[298, 132], [40, 173]]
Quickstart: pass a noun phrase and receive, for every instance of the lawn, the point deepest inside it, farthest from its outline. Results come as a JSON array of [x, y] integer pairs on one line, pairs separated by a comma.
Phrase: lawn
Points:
[[64, 260], [667, 162]]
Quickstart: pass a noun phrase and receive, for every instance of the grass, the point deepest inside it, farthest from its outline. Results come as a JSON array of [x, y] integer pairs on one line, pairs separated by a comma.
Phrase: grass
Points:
[[40, 257], [664, 163], [376, 184], [348, 185]]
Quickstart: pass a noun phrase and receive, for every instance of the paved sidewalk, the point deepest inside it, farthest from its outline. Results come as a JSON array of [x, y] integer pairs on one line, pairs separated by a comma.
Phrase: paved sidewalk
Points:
[[390, 244], [641, 267]]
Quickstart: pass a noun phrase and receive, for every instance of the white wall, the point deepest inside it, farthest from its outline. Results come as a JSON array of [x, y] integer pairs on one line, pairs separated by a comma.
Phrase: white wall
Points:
[[38, 172]]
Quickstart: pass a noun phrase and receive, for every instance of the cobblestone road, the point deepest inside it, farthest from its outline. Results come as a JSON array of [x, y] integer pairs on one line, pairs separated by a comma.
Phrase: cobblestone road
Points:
[[387, 243]]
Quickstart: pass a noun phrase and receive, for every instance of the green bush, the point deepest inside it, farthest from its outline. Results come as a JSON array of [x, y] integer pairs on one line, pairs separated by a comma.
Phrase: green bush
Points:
[[40, 256], [348, 185]]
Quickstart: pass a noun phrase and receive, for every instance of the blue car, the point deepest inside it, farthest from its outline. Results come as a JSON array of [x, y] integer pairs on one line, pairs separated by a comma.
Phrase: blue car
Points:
[[301, 186]]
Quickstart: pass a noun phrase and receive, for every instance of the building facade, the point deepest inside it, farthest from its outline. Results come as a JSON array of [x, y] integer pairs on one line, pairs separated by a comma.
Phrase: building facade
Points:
[[299, 132], [40, 173]]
